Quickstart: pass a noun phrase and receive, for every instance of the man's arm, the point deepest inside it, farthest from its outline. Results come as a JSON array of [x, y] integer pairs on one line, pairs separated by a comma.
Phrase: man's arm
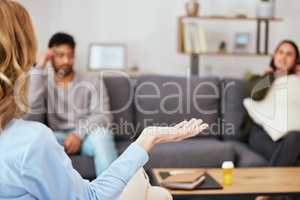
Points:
[[37, 95], [38, 88]]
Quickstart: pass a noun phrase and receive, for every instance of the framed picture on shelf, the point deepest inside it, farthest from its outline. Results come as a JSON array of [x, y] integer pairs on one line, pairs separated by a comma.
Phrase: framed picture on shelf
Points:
[[242, 42], [107, 56]]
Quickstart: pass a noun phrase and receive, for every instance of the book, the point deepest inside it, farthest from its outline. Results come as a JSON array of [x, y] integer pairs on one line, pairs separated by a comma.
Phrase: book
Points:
[[186, 181], [187, 42], [209, 182], [202, 40], [194, 38]]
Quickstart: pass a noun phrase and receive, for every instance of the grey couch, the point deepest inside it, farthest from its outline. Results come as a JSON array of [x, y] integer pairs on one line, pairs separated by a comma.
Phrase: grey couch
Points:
[[166, 100]]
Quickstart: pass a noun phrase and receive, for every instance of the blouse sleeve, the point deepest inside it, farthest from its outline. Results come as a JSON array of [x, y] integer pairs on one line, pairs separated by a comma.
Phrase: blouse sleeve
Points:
[[47, 172]]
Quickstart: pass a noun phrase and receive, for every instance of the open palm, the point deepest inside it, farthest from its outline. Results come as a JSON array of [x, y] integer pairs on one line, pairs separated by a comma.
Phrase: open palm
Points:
[[154, 135]]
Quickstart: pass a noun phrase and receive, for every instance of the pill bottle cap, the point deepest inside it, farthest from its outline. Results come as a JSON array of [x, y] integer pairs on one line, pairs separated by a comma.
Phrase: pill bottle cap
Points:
[[227, 165]]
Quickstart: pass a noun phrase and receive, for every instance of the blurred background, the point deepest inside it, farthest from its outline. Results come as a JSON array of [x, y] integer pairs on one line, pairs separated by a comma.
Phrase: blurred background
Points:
[[149, 29]]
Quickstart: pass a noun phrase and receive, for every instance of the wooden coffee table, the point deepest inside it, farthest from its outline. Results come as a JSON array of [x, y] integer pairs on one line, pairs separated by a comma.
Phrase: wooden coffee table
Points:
[[247, 183]]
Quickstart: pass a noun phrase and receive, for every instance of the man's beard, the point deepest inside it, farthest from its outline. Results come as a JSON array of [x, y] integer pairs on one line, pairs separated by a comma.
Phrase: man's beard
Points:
[[63, 72]]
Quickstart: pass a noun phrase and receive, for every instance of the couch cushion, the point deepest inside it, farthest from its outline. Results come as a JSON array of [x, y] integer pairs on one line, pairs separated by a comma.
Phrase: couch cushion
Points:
[[167, 100], [121, 92], [232, 110], [85, 166], [193, 153], [245, 157], [122, 146]]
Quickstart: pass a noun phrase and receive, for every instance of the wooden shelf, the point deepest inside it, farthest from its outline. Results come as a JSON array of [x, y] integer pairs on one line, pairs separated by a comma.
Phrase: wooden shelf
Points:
[[261, 24], [216, 17], [232, 54]]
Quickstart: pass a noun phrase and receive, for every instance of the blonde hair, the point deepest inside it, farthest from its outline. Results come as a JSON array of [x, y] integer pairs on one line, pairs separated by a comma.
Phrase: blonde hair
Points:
[[17, 54]]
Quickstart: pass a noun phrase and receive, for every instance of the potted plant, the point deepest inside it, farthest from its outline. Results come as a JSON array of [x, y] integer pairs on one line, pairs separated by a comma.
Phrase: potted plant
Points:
[[265, 9]]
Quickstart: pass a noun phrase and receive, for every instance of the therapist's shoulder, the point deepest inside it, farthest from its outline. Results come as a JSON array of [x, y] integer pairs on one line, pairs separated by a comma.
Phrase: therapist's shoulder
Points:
[[40, 146], [35, 131]]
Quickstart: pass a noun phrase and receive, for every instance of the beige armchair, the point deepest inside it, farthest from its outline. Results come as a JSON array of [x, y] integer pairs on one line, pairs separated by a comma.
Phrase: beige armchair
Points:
[[139, 188]]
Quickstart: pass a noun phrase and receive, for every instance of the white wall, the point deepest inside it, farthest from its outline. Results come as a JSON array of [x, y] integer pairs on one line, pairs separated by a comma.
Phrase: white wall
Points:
[[149, 29]]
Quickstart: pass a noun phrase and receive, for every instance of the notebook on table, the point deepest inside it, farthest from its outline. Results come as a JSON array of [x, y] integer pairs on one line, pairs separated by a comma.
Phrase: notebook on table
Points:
[[186, 181]]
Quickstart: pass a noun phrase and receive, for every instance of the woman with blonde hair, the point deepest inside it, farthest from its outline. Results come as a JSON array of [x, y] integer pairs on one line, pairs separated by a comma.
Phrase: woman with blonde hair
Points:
[[33, 165], [17, 54]]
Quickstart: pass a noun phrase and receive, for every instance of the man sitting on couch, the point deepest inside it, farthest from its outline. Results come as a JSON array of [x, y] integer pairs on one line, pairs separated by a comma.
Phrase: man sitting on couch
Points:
[[75, 107]]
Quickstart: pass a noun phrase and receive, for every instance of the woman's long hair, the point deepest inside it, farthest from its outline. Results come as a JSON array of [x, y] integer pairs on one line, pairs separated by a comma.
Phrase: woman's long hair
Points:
[[297, 61], [17, 54]]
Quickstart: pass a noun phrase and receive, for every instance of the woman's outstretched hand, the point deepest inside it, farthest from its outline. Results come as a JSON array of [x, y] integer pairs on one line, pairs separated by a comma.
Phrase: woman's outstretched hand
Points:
[[154, 135]]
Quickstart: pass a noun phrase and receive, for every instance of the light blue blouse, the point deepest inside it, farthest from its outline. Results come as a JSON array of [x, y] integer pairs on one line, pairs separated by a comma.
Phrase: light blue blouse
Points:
[[34, 166]]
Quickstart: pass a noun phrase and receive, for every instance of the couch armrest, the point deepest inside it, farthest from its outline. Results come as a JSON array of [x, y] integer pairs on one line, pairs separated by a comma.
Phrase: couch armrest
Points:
[[158, 193]]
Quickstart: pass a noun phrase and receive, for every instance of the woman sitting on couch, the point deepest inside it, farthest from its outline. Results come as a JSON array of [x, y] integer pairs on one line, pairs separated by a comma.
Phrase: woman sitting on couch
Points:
[[286, 151], [33, 165]]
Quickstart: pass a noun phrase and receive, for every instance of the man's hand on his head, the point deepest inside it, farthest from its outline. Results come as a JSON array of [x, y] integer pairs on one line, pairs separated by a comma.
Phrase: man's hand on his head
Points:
[[72, 144], [44, 58]]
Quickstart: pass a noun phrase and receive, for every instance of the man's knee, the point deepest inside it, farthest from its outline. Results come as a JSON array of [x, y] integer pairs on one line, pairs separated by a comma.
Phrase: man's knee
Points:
[[293, 137], [102, 133], [293, 134]]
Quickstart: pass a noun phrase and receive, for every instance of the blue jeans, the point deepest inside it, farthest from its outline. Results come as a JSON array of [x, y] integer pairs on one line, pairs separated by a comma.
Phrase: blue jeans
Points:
[[98, 144]]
